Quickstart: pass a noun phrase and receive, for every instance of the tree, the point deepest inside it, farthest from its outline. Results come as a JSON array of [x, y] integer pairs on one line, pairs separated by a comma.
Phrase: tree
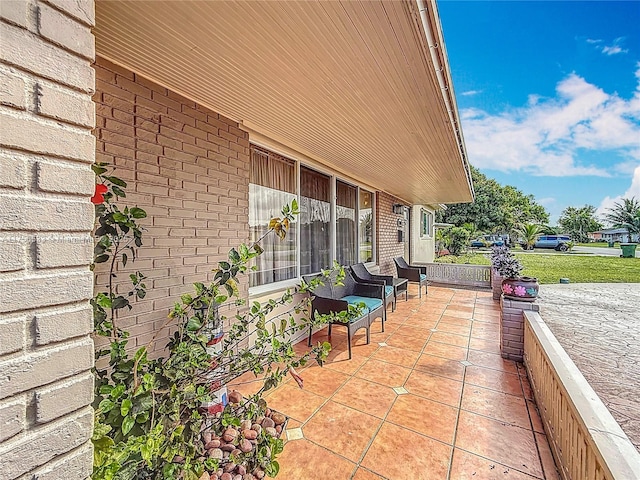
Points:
[[456, 239], [578, 222], [496, 208], [625, 214], [529, 232]]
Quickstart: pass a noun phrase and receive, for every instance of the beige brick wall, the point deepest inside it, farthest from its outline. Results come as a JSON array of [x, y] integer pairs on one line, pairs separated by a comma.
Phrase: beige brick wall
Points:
[[46, 150], [188, 167], [387, 235]]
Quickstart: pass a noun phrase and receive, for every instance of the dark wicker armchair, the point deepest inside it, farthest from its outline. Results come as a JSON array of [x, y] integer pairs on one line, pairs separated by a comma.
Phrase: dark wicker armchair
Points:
[[331, 298], [413, 273], [361, 274]]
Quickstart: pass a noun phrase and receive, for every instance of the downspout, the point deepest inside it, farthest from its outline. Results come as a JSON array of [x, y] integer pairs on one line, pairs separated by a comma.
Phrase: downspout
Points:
[[446, 91]]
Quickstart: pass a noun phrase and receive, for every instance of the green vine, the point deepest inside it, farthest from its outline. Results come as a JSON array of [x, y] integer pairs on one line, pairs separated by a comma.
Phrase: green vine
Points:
[[150, 421]]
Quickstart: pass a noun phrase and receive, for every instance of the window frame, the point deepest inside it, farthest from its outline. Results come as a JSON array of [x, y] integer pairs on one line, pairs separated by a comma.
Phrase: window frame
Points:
[[426, 220], [334, 177]]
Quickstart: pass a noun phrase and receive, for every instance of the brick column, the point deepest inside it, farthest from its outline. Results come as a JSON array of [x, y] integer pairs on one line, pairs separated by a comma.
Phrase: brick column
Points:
[[512, 327], [46, 150]]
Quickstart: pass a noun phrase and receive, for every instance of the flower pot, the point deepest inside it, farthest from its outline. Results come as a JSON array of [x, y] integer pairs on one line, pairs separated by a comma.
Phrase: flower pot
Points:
[[524, 289]]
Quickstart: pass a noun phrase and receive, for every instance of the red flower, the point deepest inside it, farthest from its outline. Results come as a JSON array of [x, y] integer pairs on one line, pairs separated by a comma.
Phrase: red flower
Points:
[[98, 196]]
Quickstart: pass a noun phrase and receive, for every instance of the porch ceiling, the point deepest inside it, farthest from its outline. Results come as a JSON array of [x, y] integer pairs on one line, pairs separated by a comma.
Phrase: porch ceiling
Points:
[[350, 84]]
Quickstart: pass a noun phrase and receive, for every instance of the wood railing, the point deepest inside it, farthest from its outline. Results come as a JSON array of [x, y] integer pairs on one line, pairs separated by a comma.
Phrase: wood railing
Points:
[[587, 442]]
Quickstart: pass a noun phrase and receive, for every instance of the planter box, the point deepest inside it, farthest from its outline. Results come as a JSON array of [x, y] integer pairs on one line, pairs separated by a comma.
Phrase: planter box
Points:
[[496, 284]]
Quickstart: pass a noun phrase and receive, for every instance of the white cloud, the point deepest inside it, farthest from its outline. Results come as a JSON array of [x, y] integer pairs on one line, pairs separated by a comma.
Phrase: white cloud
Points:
[[546, 136], [546, 201], [594, 40], [632, 191], [471, 92], [615, 48]]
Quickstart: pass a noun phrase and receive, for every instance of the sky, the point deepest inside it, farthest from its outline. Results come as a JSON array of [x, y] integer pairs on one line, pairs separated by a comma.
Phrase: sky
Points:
[[549, 96]]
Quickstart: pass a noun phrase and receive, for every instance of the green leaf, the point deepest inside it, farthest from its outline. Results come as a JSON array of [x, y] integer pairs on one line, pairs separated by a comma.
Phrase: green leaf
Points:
[[97, 169], [106, 405], [125, 407], [120, 302], [138, 213], [116, 181], [127, 424], [120, 217], [118, 191], [124, 259], [272, 469], [193, 324], [101, 258]]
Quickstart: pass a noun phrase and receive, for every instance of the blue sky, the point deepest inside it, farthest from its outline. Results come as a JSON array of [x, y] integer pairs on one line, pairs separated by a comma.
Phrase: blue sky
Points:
[[549, 95]]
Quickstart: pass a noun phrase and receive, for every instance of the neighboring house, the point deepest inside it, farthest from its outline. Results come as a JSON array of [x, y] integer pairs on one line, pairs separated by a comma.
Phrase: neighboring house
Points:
[[215, 113], [614, 235]]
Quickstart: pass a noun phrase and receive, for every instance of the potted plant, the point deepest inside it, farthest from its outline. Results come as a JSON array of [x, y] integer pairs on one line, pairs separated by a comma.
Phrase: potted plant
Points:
[[513, 286]]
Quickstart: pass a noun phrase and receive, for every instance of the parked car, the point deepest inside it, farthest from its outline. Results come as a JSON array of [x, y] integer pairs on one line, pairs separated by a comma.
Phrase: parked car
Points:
[[557, 242], [487, 241]]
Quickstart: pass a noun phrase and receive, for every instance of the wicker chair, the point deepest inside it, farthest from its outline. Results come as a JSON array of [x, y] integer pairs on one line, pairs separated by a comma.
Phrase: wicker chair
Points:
[[413, 273], [362, 275], [331, 298]]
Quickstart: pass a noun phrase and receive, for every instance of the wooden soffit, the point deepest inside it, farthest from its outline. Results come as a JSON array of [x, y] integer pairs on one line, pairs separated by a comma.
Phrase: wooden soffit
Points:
[[350, 84]]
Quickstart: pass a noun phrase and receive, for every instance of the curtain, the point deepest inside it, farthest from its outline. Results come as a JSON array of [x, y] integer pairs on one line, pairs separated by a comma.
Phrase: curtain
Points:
[[365, 239], [272, 183], [315, 221], [346, 223]]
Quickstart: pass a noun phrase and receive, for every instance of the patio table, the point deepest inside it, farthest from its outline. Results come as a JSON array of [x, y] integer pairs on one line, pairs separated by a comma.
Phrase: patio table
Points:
[[400, 285]]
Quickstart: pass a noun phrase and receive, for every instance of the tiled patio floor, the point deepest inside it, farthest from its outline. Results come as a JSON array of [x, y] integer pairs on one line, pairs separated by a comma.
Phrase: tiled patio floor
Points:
[[430, 398]]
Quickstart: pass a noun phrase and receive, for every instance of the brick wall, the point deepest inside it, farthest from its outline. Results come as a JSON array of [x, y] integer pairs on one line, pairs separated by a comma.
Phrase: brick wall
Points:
[[387, 239], [46, 149], [188, 167]]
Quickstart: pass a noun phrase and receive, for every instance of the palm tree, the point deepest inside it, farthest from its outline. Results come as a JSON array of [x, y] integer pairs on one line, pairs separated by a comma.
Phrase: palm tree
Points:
[[529, 232], [624, 214]]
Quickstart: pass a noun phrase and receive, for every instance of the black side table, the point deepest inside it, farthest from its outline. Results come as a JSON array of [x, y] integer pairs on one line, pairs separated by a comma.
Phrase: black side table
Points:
[[400, 285]]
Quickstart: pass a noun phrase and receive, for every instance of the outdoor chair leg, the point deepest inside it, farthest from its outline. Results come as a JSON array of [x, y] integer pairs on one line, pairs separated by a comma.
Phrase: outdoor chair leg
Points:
[[310, 333], [349, 340], [329, 329]]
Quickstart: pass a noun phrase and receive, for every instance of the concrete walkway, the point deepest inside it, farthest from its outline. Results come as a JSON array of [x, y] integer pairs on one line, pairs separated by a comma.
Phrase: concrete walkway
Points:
[[599, 327]]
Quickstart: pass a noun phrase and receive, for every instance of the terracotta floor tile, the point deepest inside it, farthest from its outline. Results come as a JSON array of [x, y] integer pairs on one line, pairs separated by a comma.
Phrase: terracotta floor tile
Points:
[[322, 381], [440, 366], [453, 328], [456, 321], [447, 351], [384, 373], [339, 360], [467, 466], [548, 463], [436, 388], [526, 388], [450, 339], [485, 345], [364, 350], [397, 356], [364, 474], [294, 402], [415, 332], [494, 379], [418, 322], [366, 396], [407, 342], [506, 444], [500, 406], [491, 360], [398, 453], [534, 415], [485, 330], [342, 430], [424, 416], [318, 462]]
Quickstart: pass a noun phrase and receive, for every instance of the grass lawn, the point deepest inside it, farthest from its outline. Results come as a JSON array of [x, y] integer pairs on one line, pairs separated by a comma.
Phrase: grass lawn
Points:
[[598, 244], [577, 268]]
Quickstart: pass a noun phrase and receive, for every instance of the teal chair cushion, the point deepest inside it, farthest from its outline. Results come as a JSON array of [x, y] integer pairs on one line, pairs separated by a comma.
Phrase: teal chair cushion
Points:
[[371, 303], [388, 290], [423, 277]]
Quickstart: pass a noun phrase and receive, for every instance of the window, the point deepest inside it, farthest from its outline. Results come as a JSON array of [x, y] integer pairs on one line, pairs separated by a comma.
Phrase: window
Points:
[[346, 227], [426, 223], [272, 184], [315, 221], [365, 236], [336, 220]]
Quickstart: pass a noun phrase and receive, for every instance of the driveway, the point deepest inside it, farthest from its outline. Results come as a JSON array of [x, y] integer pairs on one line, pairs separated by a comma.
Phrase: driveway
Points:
[[598, 324]]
